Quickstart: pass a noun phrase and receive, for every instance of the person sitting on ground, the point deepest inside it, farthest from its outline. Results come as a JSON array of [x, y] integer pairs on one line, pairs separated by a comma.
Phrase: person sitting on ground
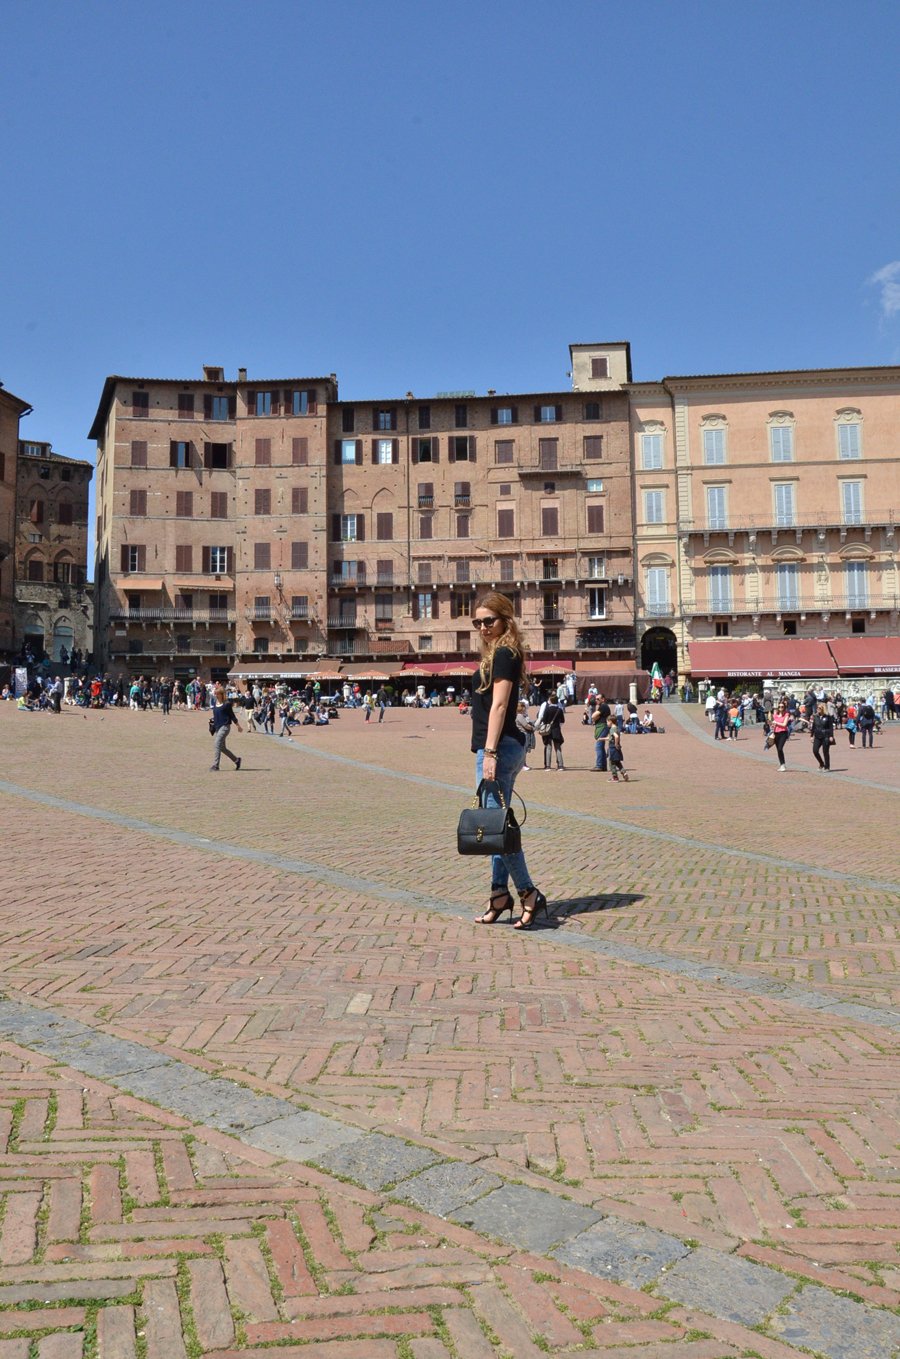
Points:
[[647, 723]]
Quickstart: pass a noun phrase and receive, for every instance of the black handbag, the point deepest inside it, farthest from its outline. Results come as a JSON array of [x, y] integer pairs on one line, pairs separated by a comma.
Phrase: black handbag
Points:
[[489, 830]]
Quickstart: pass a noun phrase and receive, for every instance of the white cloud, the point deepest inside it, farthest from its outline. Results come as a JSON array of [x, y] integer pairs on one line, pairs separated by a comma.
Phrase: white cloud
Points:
[[888, 280]]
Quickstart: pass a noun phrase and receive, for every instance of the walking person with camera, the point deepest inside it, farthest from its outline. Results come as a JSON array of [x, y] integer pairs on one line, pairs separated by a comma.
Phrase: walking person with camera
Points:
[[499, 747]]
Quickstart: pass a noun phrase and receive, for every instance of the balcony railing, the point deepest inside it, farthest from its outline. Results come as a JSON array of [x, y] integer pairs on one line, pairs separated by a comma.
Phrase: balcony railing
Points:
[[461, 501], [300, 613], [357, 578], [540, 469], [384, 579], [425, 502], [835, 519], [260, 613], [659, 610], [162, 615], [342, 620]]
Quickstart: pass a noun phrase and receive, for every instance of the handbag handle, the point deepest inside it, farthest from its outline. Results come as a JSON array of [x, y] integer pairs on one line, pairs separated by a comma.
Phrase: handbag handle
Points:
[[476, 801]]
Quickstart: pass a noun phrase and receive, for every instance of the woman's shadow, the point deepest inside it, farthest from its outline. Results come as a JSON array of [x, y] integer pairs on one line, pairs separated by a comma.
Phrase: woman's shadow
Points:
[[561, 910]]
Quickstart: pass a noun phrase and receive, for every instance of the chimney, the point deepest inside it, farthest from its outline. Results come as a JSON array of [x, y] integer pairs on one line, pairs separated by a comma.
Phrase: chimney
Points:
[[213, 374], [242, 375]]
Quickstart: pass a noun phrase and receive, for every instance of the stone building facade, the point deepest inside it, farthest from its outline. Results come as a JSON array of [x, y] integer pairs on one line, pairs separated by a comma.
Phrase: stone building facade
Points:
[[255, 519], [53, 605], [12, 408], [766, 509]]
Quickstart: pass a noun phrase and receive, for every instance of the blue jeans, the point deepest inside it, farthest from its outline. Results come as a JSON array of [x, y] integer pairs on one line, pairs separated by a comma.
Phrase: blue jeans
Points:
[[600, 760], [510, 758]]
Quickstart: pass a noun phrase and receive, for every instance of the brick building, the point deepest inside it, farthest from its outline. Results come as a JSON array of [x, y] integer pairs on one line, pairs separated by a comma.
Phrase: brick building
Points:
[[12, 408], [267, 518], [53, 603]]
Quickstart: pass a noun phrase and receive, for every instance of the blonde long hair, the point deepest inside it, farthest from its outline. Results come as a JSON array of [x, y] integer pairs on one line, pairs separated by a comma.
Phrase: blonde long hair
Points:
[[511, 636]]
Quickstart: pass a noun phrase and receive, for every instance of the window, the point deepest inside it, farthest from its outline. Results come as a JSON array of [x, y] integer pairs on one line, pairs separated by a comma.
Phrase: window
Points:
[[260, 646], [218, 505], [35, 569], [722, 628], [65, 473], [299, 500], [219, 560], [504, 415], [384, 417], [299, 556], [597, 601], [425, 450], [384, 526], [593, 447], [714, 447], [300, 607], [595, 486], [857, 625], [463, 525], [425, 604], [384, 572], [461, 416], [425, 494], [348, 451], [849, 446], [856, 577], [351, 525], [184, 557], [135, 645], [550, 521], [547, 415], [262, 556], [348, 422], [384, 609], [790, 627], [182, 642], [599, 366], [218, 603], [716, 513], [462, 448], [508, 567], [506, 524], [461, 604], [651, 452], [784, 504], [263, 403], [64, 511], [140, 405], [303, 403], [503, 451], [551, 640], [179, 453], [592, 410], [215, 456], [423, 573], [548, 452], [720, 589], [781, 443], [184, 504], [550, 568], [425, 526], [505, 488], [36, 512], [219, 408], [463, 570], [262, 501], [185, 405], [263, 451], [139, 452], [300, 452], [657, 579], [425, 642], [596, 568], [550, 606], [137, 504], [595, 518], [384, 452], [851, 502], [462, 494], [134, 557], [787, 585], [424, 417], [654, 507]]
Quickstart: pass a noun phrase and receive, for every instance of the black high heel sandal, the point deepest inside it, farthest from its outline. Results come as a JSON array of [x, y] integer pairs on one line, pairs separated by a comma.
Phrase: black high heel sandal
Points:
[[501, 902], [533, 911]]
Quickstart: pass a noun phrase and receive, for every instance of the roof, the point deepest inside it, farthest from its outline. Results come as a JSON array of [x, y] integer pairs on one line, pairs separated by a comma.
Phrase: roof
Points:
[[23, 406], [496, 397], [875, 369], [50, 456], [109, 388]]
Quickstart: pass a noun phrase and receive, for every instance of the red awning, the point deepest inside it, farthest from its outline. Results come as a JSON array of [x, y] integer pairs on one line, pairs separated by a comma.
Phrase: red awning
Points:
[[787, 658], [866, 655], [623, 667]]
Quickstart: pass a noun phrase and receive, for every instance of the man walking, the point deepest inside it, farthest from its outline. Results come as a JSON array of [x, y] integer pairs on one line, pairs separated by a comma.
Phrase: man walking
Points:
[[221, 721]]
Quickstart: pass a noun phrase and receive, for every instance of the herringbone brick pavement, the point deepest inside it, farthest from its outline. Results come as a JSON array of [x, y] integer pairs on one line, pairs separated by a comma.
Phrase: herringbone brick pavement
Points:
[[738, 1121]]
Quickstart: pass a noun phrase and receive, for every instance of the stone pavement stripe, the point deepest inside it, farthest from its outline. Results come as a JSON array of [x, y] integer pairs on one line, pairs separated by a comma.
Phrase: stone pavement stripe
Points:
[[787, 992]]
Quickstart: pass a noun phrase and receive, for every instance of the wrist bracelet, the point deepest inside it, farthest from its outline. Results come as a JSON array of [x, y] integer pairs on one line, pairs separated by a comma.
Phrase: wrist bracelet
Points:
[[491, 753]]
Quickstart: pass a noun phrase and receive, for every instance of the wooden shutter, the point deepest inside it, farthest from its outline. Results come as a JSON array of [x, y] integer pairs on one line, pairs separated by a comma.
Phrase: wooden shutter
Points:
[[415, 451], [336, 528], [142, 558], [435, 448], [299, 556], [275, 405], [251, 403], [493, 420], [139, 453], [415, 606], [207, 406], [311, 402], [395, 450], [300, 452], [595, 518], [471, 448], [515, 415], [454, 605], [207, 455], [123, 557], [550, 521], [229, 559], [505, 523], [359, 452], [360, 573], [375, 451], [434, 605], [263, 452], [337, 452], [451, 449], [558, 413], [232, 407], [360, 526], [206, 555], [537, 415]]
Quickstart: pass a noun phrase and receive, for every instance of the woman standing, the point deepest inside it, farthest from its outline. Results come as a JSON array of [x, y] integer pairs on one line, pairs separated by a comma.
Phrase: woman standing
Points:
[[499, 747], [550, 718], [781, 727], [223, 718], [822, 736]]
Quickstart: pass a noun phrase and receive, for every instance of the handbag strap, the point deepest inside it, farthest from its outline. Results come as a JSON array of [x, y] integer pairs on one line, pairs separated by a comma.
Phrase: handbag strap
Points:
[[494, 783]]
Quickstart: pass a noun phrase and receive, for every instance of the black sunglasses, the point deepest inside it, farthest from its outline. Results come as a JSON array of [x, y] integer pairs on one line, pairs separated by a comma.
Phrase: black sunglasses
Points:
[[484, 622]]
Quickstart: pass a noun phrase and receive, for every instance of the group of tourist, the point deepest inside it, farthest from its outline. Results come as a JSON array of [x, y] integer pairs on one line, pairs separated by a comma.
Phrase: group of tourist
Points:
[[818, 714]]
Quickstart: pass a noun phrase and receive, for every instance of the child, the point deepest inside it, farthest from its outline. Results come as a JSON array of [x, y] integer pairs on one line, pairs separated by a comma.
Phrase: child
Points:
[[614, 755]]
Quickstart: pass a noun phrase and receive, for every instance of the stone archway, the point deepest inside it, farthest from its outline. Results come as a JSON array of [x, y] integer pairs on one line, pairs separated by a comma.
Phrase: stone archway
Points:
[[659, 645]]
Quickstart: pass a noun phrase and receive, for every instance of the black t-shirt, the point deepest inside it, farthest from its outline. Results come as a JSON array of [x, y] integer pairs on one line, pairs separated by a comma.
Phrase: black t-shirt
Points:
[[223, 715], [507, 666]]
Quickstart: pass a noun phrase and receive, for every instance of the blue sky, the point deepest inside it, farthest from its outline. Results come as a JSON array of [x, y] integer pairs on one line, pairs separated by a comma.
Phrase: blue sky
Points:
[[423, 196]]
